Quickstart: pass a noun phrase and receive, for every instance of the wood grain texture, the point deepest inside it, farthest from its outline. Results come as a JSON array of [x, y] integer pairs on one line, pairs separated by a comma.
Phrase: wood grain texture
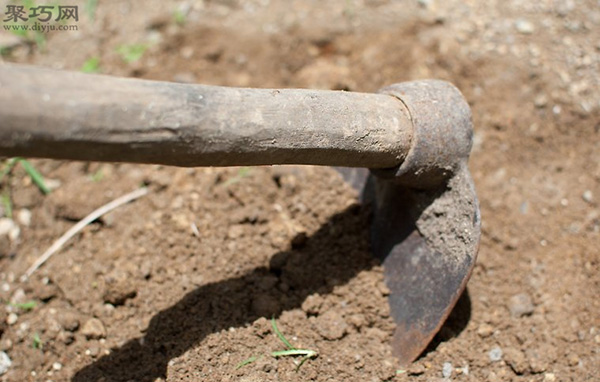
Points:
[[70, 115]]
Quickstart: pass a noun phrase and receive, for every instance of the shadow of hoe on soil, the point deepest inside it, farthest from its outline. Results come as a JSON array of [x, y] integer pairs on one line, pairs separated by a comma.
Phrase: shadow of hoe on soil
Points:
[[330, 257]]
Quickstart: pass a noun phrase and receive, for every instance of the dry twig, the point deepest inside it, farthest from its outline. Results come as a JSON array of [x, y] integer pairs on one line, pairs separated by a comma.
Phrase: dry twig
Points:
[[80, 225]]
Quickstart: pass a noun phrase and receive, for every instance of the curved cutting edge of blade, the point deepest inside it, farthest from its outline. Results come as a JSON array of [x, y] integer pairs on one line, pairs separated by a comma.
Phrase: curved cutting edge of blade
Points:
[[428, 243]]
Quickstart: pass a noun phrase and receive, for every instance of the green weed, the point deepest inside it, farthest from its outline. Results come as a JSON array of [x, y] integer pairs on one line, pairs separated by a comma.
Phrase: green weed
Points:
[[131, 52], [291, 350], [37, 341], [242, 173], [91, 65], [26, 306], [90, 8]]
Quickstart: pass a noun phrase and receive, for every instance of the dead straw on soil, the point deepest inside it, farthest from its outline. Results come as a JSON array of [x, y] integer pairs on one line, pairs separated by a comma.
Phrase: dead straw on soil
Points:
[[81, 225]]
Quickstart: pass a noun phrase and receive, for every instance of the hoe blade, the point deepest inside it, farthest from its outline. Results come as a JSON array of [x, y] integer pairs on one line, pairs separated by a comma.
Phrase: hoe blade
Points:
[[428, 243]]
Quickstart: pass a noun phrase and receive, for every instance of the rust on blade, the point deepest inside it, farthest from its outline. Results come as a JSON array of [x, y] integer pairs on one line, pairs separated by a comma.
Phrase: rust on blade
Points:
[[427, 242]]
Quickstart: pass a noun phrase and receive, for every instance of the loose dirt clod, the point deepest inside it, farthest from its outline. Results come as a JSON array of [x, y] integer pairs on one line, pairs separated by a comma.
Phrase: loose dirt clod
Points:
[[331, 325], [93, 329], [521, 305]]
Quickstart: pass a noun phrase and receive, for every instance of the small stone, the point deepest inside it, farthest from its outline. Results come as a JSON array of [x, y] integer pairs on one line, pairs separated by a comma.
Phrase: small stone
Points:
[[447, 370], [5, 362], [357, 320], [417, 369], [93, 351], [331, 326], [521, 305], [549, 377], [57, 366], [6, 226], [516, 360], [235, 231], [14, 233], [493, 377], [119, 291], [383, 289], [65, 337], [93, 329], [12, 319], [485, 330], [524, 26], [540, 101], [536, 363], [18, 297], [24, 217], [6, 345], [69, 321], [46, 292], [495, 354], [588, 196], [312, 304], [573, 359]]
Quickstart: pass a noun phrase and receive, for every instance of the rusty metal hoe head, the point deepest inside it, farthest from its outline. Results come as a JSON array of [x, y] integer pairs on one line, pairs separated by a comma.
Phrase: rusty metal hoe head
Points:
[[426, 220]]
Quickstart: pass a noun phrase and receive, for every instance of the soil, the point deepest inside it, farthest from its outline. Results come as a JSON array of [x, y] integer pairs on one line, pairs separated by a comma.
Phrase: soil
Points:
[[181, 284]]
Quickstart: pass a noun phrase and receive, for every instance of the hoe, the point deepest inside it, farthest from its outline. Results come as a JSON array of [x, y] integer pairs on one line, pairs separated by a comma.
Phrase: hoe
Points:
[[405, 149]]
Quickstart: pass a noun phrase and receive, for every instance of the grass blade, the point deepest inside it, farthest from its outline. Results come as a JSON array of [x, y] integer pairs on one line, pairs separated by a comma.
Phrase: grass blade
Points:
[[7, 167], [35, 176], [26, 306], [7, 204], [247, 361], [292, 352], [281, 337]]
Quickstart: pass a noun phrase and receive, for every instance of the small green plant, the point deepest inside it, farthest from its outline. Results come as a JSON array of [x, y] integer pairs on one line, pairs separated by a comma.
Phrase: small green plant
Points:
[[291, 350], [37, 341], [25, 306], [242, 173], [97, 176], [35, 176], [131, 52], [90, 8], [248, 361], [91, 65], [8, 166], [38, 37], [6, 204], [179, 17]]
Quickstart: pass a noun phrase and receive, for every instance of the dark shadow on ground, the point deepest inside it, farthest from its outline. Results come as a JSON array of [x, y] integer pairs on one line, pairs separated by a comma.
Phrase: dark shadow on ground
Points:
[[332, 256]]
